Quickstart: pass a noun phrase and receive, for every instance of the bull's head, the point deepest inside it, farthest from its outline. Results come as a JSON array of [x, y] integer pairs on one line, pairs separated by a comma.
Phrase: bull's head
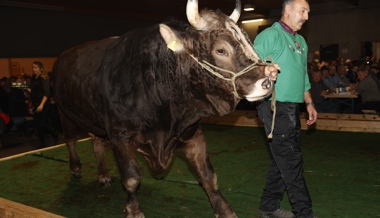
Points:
[[232, 56]]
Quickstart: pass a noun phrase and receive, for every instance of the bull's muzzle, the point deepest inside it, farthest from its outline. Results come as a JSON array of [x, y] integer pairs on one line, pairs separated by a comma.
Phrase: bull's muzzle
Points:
[[267, 83]]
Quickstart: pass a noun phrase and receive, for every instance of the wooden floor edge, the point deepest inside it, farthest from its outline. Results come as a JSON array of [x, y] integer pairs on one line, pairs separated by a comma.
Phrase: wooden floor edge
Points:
[[369, 123], [10, 209], [39, 150]]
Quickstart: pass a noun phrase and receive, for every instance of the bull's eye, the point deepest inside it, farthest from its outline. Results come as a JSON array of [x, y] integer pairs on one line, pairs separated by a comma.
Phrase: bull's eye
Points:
[[221, 52]]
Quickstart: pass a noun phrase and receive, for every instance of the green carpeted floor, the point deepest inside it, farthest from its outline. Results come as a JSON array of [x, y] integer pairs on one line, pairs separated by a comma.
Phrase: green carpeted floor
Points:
[[342, 170]]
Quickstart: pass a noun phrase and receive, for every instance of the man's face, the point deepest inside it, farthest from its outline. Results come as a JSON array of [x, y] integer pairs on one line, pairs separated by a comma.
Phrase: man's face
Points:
[[298, 14], [332, 70], [361, 75], [325, 73], [342, 70], [317, 76]]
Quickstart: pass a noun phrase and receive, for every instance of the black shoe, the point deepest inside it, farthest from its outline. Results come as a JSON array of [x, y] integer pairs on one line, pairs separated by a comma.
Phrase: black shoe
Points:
[[279, 213]]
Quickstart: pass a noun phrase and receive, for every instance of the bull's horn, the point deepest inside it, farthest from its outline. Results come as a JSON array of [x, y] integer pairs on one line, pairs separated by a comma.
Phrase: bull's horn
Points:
[[236, 13], [193, 16]]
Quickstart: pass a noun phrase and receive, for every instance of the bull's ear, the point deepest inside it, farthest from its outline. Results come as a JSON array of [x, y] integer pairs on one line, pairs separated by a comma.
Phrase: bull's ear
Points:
[[171, 39]]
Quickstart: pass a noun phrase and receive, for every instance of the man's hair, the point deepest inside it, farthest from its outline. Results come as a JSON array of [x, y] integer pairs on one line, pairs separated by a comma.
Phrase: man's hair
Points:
[[285, 3], [316, 72]]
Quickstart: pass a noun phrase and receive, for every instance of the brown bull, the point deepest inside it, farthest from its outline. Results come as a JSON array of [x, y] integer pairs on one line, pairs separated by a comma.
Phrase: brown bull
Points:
[[146, 91]]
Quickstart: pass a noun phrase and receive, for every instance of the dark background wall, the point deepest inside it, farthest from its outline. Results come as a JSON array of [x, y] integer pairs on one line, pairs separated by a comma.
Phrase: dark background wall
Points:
[[29, 32], [41, 33]]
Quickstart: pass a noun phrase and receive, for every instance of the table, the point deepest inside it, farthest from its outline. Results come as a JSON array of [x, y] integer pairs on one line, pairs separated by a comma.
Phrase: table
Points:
[[344, 98], [20, 86]]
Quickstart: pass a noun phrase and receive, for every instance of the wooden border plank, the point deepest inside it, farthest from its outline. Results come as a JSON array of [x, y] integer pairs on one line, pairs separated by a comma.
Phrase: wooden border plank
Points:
[[331, 122], [10, 209], [39, 150]]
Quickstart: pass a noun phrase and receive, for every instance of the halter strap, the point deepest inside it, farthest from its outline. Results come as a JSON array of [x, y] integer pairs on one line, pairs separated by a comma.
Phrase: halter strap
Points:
[[206, 65]]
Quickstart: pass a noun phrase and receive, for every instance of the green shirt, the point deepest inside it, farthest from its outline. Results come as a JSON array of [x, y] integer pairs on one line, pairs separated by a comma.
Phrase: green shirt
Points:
[[290, 53]]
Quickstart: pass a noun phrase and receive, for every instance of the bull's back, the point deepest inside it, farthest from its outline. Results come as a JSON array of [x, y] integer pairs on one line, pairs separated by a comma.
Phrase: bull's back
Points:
[[76, 84]]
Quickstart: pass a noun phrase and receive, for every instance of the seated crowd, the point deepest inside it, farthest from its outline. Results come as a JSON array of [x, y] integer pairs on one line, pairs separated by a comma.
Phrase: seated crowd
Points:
[[361, 78], [19, 111]]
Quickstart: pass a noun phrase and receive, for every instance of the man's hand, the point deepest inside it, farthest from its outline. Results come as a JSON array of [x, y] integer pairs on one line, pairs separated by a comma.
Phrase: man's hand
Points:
[[272, 71], [312, 114]]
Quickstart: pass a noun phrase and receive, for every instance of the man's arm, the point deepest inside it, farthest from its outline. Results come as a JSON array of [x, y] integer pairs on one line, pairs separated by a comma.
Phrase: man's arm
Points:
[[310, 108]]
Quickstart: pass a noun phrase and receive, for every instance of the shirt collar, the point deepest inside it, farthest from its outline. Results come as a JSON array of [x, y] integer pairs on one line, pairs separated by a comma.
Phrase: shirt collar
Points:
[[287, 28]]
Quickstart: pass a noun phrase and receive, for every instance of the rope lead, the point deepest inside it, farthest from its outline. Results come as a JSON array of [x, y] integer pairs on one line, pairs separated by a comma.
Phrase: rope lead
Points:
[[273, 101], [273, 108]]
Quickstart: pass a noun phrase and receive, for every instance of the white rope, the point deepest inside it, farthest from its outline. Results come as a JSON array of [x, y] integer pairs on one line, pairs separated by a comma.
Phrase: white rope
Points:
[[209, 67], [273, 102]]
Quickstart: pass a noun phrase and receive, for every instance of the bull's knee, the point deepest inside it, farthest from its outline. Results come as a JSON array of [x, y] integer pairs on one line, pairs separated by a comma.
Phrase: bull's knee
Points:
[[132, 184], [211, 183]]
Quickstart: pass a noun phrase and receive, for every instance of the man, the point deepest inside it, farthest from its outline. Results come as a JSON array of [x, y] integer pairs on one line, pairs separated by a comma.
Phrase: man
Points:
[[318, 92], [374, 73], [333, 78], [342, 74], [325, 73], [369, 92], [289, 50]]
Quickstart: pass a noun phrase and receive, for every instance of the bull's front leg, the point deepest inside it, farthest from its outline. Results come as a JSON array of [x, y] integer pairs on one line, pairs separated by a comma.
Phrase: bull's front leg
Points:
[[196, 153], [130, 176]]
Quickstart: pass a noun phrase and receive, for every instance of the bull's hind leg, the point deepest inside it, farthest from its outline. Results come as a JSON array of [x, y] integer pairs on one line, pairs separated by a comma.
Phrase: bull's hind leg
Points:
[[130, 175], [196, 153], [70, 138], [99, 145]]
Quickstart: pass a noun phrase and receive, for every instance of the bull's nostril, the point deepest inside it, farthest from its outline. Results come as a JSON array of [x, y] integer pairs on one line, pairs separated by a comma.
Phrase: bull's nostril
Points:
[[266, 84]]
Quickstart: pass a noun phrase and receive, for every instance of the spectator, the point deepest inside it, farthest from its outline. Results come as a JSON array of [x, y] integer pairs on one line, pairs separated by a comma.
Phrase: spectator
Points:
[[325, 73], [18, 111], [40, 94], [368, 91], [352, 75], [334, 79], [374, 73], [318, 91], [342, 74]]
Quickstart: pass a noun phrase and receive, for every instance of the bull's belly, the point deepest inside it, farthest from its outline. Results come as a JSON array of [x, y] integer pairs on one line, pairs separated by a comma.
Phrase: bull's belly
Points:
[[85, 122]]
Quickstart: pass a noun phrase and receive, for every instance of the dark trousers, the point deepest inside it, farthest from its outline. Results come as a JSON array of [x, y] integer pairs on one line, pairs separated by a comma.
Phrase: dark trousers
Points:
[[285, 172], [43, 127]]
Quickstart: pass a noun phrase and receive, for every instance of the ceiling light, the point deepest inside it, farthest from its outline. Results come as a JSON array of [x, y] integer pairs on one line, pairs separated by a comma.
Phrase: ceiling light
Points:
[[249, 7], [251, 21]]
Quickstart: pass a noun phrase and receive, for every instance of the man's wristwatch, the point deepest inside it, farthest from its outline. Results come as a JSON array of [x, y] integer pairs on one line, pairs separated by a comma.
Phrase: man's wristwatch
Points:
[[308, 103]]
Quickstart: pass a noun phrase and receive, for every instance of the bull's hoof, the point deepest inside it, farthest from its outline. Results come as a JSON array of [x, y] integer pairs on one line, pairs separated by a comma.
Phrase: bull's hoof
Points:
[[76, 172], [104, 179], [75, 168], [229, 215], [136, 214]]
